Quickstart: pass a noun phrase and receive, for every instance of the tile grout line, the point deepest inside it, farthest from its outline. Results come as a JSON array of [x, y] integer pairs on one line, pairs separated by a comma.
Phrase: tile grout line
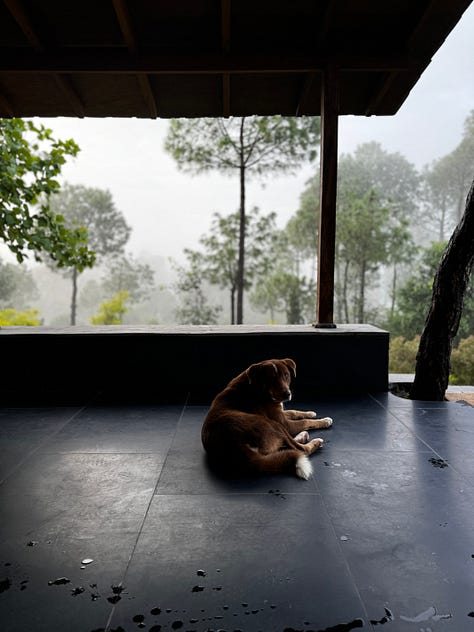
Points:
[[344, 557], [152, 496], [42, 444], [461, 475]]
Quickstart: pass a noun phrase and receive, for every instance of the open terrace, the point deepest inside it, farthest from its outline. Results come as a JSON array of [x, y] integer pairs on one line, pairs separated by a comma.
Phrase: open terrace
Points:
[[382, 533]]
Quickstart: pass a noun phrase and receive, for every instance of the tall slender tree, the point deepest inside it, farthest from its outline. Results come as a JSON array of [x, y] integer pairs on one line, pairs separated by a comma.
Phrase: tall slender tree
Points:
[[446, 184], [94, 211], [17, 286], [219, 258], [125, 273], [259, 145], [194, 308]]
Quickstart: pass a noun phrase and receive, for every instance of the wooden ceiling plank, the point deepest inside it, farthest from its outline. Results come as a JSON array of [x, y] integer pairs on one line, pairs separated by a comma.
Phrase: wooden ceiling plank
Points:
[[225, 25], [418, 31], [18, 11], [328, 17], [128, 34], [417, 35]]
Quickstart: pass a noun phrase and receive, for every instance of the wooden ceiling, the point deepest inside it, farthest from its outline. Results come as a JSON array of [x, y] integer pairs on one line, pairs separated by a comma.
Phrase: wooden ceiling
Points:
[[192, 58]]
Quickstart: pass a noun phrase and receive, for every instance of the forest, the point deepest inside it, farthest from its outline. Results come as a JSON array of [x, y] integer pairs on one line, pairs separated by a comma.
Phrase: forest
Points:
[[393, 222]]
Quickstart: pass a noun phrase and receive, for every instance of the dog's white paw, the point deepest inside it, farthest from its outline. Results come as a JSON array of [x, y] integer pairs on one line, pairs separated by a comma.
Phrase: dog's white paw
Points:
[[310, 414], [328, 421], [302, 437], [304, 469]]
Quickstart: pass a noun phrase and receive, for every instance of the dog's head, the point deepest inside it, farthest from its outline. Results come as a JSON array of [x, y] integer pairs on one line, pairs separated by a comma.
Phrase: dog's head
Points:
[[272, 378]]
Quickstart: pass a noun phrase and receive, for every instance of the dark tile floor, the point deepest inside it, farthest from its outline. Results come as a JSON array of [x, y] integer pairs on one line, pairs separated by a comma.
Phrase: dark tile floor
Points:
[[382, 535]]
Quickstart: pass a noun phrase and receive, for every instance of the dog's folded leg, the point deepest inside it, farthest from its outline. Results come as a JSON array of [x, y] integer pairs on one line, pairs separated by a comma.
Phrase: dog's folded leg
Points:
[[302, 437], [313, 445], [300, 414]]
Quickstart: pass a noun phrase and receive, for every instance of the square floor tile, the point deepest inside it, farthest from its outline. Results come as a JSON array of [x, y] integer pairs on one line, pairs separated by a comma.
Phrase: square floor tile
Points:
[[238, 561]]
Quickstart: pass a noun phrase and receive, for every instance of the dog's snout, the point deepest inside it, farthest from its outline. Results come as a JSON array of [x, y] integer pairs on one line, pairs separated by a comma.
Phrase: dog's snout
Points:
[[287, 394]]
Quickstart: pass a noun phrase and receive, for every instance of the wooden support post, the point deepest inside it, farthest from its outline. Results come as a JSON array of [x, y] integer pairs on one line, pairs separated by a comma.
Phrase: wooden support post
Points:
[[328, 191]]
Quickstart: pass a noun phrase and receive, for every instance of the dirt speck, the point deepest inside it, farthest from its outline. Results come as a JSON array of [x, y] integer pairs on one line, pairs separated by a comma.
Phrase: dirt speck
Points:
[[5, 584], [59, 581]]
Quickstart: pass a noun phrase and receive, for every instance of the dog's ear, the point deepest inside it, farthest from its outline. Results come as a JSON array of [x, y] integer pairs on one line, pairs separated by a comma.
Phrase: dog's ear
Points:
[[258, 371], [291, 365], [252, 372]]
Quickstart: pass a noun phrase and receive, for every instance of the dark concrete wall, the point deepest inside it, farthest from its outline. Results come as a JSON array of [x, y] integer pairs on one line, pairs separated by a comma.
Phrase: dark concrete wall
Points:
[[74, 366]]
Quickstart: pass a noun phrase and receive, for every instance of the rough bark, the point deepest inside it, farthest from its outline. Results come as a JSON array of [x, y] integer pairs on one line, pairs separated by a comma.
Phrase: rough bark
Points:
[[442, 322]]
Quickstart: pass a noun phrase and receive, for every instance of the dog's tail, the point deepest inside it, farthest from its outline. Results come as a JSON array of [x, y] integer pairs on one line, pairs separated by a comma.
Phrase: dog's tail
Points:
[[290, 461]]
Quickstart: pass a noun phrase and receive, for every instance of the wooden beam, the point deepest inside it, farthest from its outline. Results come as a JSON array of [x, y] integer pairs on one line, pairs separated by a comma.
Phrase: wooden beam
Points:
[[328, 192], [117, 61]]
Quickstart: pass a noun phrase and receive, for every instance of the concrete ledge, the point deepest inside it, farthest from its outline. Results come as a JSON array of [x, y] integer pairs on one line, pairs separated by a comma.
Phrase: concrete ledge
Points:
[[158, 363]]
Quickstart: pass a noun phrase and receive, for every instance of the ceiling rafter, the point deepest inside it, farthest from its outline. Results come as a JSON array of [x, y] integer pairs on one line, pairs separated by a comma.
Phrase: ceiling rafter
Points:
[[322, 33], [225, 43], [385, 85], [305, 92], [20, 15], [218, 58], [65, 84], [128, 34], [424, 21], [5, 105]]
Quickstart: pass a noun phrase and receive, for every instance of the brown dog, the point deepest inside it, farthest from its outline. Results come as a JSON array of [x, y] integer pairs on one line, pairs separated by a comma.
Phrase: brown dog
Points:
[[248, 431]]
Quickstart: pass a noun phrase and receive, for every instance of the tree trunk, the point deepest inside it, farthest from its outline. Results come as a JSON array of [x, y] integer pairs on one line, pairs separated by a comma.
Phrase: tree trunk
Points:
[[337, 295], [442, 322], [241, 262], [74, 295], [360, 307], [232, 305], [344, 291], [443, 219], [394, 290]]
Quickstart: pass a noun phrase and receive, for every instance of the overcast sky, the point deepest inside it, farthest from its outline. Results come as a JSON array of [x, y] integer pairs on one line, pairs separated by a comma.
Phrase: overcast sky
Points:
[[169, 210]]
